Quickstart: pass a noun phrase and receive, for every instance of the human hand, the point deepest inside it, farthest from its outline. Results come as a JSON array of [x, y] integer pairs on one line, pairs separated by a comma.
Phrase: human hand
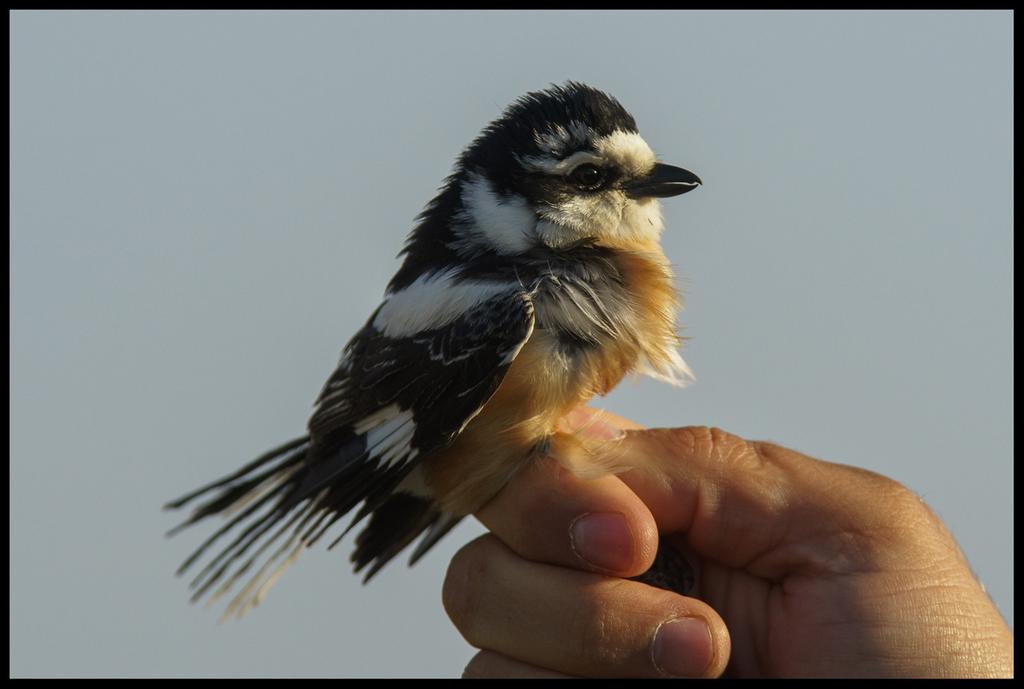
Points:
[[806, 568]]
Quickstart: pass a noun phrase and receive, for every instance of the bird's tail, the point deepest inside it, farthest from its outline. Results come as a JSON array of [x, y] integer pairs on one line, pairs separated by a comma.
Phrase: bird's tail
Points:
[[395, 524], [284, 501], [277, 506], [260, 496]]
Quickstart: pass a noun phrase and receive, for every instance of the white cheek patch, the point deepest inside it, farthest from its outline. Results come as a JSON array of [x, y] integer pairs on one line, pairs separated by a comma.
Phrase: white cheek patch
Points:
[[432, 301], [578, 217], [641, 220], [627, 150], [502, 223], [611, 214]]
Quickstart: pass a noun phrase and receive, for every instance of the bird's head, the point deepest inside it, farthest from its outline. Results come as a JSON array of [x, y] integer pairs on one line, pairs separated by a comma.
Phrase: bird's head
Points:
[[559, 166]]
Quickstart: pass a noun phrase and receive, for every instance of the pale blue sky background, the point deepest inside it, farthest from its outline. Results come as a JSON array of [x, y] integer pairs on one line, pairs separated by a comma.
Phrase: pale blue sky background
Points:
[[204, 207]]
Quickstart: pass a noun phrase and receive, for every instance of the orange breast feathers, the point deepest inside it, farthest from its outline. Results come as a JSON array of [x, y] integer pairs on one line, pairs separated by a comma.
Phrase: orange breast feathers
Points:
[[546, 381]]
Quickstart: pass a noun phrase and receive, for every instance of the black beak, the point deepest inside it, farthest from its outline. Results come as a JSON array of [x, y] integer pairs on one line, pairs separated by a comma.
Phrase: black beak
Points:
[[664, 180]]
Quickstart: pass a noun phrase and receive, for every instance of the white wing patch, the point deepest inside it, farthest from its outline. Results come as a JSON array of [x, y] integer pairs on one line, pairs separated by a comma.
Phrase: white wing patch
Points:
[[375, 419], [432, 301], [389, 433]]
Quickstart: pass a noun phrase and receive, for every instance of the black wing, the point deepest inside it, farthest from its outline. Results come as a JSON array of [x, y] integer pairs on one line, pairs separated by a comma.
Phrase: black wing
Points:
[[391, 401]]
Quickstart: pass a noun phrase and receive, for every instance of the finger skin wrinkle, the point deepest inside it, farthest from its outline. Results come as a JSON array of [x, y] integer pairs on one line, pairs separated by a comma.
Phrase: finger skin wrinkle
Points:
[[602, 625], [594, 634]]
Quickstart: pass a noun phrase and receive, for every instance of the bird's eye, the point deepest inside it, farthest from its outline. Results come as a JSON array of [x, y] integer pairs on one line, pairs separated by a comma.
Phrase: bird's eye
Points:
[[587, 176]]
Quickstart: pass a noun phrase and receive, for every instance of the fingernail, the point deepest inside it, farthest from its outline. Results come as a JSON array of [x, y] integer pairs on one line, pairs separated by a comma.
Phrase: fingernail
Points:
[[592, 423], [682, 647], [603, 539]]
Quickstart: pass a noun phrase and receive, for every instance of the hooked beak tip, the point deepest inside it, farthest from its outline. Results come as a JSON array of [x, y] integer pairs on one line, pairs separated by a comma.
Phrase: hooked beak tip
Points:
[[664, 181]]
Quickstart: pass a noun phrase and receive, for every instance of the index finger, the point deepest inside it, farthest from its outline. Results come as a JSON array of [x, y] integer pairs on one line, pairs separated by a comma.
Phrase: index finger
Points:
[[760, 506], [546, 514]]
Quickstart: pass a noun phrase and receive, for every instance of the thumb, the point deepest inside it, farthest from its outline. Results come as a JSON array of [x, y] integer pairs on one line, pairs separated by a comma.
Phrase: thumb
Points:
[[750, 504]]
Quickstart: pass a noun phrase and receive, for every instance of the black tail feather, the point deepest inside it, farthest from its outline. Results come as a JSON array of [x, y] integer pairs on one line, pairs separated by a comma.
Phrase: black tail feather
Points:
[[211, 573], [244, 567], [395, 523], [290, 489], [255, 464], [438, 530], [376, 490], [235, 521]]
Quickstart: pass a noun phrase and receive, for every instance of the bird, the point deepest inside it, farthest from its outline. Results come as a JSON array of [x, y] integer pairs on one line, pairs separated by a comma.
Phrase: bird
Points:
[[532, 282]]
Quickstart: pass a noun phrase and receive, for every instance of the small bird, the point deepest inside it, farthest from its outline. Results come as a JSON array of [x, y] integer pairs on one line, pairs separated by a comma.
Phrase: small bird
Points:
[[532, 282]]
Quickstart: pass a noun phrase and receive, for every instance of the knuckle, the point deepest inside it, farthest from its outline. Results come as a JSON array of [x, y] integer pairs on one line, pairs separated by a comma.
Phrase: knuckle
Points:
[[888, 510], [894, 491], [688, 439], [612, 628], [462, 584], [905, 506], [898, 499], [596, 634], [710, 442]]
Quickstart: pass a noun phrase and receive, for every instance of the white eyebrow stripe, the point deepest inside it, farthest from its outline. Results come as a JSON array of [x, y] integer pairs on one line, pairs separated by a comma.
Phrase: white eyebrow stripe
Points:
[[626, 149], [433, 301], [558, 139], [555, 166]]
